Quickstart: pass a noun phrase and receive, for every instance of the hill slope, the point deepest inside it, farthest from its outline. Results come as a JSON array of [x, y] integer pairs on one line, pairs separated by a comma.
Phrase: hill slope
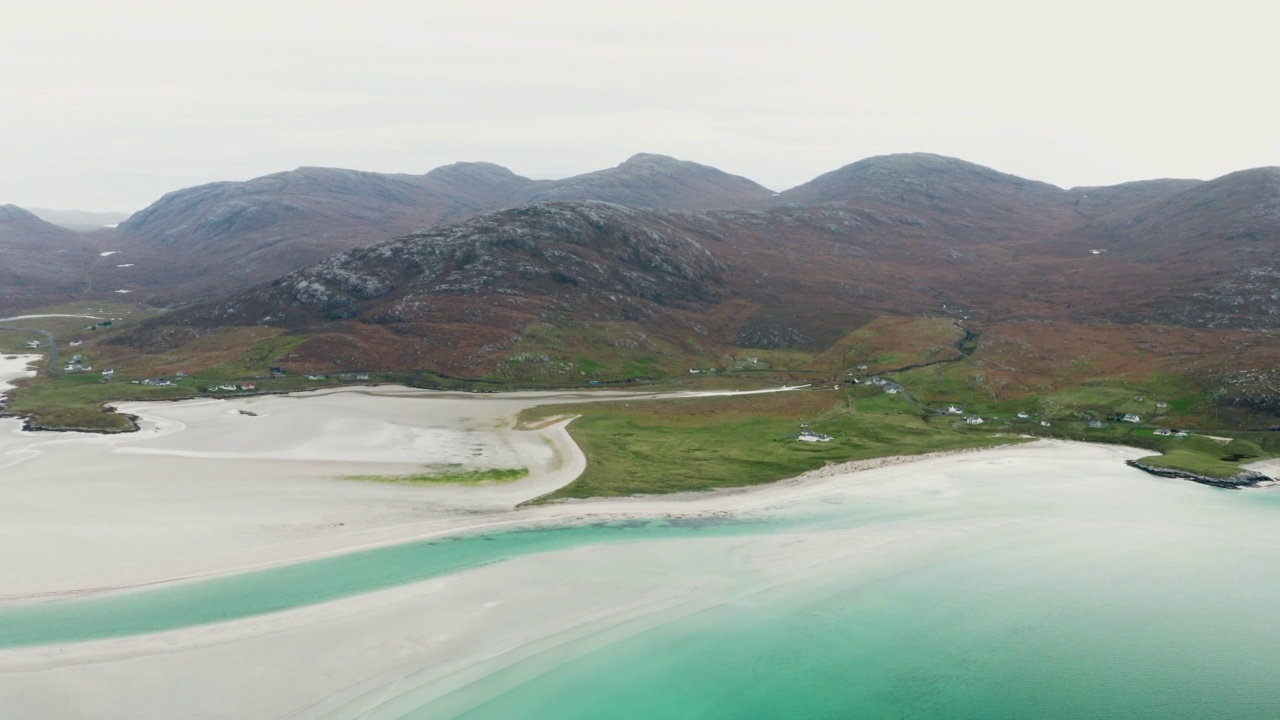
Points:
[[39, 260]]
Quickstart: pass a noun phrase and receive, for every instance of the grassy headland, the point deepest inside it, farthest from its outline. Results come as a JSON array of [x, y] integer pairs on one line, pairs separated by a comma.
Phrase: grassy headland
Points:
[[641, 446]]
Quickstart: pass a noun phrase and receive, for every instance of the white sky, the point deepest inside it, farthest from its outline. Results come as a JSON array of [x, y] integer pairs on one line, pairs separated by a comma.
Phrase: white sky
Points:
[[106, 105]]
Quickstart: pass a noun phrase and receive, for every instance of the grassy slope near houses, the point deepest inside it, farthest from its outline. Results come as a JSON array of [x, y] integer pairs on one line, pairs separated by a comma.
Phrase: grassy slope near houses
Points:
[[644, 446], [1063, 374]]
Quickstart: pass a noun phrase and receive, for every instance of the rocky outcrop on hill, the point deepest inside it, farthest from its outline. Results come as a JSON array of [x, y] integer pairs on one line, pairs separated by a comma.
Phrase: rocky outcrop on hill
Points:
[[614, 261]]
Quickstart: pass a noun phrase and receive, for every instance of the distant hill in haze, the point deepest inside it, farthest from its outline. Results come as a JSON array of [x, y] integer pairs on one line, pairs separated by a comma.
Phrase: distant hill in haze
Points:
[[79, 219]]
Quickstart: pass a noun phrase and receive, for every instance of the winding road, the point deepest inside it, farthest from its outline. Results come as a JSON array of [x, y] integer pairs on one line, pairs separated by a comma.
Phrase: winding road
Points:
[[48, 336]]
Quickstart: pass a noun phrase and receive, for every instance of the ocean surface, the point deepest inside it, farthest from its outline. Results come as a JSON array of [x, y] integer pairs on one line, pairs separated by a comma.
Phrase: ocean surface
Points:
[[1133, 599]]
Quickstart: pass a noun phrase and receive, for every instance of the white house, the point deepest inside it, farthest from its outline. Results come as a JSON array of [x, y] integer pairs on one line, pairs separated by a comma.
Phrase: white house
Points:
[[33, 344], [1131, 418], [973, 420], [1164, 431], [1044, 423], [1023, 415], [807, 435], [955, 410]]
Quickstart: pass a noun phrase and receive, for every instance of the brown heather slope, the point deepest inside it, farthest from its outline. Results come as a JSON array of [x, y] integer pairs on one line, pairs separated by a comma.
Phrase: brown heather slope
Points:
[[1203, 257]]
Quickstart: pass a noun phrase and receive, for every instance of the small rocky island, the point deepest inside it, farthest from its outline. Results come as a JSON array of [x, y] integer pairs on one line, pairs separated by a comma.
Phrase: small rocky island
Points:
[[1244, 479]]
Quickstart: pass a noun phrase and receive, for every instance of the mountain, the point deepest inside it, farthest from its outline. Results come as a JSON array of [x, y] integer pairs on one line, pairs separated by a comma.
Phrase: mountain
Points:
[[903, 235], [80, 220], [222, 236], [459, 288], [1091, 202], [655, 181], [924, 180], [1208, 252], [39, 259], [217, 238]]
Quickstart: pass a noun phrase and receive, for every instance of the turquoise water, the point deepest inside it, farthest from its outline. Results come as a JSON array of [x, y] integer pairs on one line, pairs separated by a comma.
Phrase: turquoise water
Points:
[[1154, 602], [274, 589], [997, 634]]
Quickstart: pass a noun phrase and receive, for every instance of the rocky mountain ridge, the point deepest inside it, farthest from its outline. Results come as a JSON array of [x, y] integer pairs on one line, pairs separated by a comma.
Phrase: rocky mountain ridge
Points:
[[897, 234], [964, 242], [220, 237]]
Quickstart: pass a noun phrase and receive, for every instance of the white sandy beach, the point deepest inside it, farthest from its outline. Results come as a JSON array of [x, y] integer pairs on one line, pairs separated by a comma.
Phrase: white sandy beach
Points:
[[206, 489]]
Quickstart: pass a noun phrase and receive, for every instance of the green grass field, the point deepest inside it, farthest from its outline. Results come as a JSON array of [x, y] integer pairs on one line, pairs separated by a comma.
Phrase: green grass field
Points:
[[644, 447]]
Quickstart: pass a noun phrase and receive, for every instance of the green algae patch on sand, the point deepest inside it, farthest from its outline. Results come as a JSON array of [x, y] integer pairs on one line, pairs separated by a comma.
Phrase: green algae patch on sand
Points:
[[448, 476]]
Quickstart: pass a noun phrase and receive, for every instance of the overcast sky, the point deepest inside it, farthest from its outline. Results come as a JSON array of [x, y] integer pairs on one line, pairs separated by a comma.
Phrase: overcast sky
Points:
[[106, 105]]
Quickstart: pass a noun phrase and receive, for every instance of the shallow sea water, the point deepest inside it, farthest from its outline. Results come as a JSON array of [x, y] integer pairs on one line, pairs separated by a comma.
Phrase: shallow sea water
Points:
[[232, 597], [1156, 601]]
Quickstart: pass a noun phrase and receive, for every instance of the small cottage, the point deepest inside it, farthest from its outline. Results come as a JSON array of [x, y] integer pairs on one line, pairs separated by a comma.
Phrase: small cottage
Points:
[[807, 435]]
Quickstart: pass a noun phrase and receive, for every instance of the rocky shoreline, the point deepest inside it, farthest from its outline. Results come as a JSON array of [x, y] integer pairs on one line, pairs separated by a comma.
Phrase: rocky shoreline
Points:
[[1245, 479]]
